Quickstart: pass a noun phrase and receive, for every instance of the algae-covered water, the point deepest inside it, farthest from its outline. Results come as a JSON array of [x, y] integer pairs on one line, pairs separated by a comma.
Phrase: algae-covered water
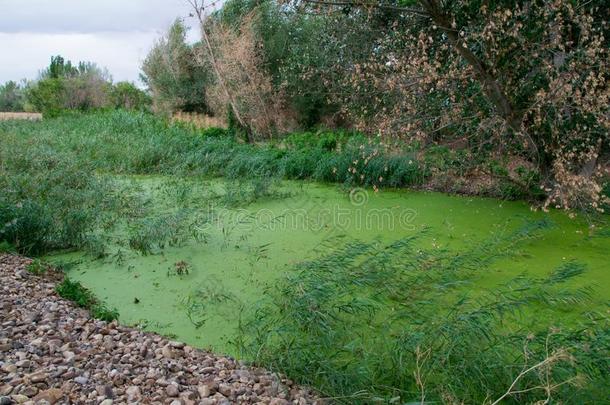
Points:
[[247, 238]]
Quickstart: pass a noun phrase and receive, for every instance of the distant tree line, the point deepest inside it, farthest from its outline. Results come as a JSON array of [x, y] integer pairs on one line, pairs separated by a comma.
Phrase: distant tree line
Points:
[[63, 86]]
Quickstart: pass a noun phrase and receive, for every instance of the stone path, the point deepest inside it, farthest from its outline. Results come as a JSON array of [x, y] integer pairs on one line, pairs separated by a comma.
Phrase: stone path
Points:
[[52, 352]]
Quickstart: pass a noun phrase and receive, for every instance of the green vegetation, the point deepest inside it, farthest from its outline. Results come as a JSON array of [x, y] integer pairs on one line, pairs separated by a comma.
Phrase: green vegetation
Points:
[[64, 87], [38, 267], [170, 72], [12, 97], [519, 89], [64, 162], [269, 240], [60, 163], [84, 298], [391, 322], [442, 310], [469, 301]]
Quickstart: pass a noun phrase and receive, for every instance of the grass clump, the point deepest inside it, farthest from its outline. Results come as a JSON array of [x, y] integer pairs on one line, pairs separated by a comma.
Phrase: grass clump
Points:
[[84, 298], [154, 233], [6, 247], [369, 322], [37, 267]]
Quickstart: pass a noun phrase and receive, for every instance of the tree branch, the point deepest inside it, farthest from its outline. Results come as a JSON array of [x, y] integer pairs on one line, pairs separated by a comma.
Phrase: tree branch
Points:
[[365, 4]]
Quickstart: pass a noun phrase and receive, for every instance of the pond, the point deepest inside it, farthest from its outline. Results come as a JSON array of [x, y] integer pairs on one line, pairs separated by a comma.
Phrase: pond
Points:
[[247, 239]]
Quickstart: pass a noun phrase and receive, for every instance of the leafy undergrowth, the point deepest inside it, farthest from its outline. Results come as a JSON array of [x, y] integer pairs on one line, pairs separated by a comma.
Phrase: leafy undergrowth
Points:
[[370, 323], [59, 175], [84, 298]]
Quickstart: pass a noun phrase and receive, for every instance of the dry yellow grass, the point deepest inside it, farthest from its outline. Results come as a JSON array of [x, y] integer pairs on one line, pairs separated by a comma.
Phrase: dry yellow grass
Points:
[[199, 120], [4, 116]]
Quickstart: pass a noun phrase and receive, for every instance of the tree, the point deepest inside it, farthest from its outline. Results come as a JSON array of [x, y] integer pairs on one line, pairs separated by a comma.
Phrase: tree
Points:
[[527, 79], [64, 86], [47, 96], [12, 97], [200, 11], [171, 73], [126, 95]]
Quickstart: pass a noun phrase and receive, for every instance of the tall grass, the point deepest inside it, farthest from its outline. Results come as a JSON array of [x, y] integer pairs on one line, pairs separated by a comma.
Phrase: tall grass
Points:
[[124, 142], [369, 323], [57, 192]]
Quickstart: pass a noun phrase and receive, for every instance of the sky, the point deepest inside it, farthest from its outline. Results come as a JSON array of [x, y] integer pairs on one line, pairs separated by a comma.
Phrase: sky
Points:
[[116, 34]]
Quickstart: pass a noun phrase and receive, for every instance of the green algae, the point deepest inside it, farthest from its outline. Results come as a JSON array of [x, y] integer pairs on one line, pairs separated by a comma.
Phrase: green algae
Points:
[[251, 236]]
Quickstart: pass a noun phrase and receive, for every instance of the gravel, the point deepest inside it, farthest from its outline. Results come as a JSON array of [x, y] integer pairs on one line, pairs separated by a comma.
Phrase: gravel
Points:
[[52, 352]]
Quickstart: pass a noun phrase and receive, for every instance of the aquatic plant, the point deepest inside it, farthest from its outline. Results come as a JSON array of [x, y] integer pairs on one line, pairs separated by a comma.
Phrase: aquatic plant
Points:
[[180, 268], [154, 233], [198, 301], [370, 322], [84, 298], [62, 189]]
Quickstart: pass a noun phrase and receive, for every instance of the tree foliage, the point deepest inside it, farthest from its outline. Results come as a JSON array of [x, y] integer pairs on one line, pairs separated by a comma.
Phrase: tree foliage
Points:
[[521, 85], [521, 79], [12, 97], [82, 87], [171, 73]]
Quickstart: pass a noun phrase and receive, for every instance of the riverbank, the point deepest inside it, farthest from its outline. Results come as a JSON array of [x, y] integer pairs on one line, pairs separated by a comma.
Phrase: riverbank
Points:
[[53, 351]]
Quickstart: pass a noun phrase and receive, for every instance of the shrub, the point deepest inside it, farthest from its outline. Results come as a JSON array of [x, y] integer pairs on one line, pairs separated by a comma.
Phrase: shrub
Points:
[[12, 97], [37, 267], [47, 97], [6, 247], [25, 225], [126, 95], [214, 132]]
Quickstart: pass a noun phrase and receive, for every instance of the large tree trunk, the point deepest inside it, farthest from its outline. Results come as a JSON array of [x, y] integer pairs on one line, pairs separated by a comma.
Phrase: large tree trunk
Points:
[[493, 89]]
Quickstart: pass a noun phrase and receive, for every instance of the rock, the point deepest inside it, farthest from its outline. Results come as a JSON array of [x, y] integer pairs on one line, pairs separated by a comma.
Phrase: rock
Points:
[[188, 396], [37, 343], [5, 400], [207, 401], [279, 401], [172, 390], [167, 352], [225, 389], [29, 391], [176, 402], [37, 377], [105, 391], [9, 368], [52, 395], [106, 402], [209, 370], [69, 356], [6, 389], [133, 392], [81, 380], [23, 363], [19, 398], [204, 391]]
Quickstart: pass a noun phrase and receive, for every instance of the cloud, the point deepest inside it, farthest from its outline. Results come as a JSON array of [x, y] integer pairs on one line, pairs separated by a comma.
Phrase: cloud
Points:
[[86, 16], [122, 53], [116, 34]]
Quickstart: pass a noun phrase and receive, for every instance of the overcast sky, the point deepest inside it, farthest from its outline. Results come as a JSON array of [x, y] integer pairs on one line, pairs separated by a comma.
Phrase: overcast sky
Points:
[[116, 34]]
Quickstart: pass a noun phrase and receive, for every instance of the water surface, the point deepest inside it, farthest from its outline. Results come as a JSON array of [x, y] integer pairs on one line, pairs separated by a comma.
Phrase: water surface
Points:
[[250, 246]]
